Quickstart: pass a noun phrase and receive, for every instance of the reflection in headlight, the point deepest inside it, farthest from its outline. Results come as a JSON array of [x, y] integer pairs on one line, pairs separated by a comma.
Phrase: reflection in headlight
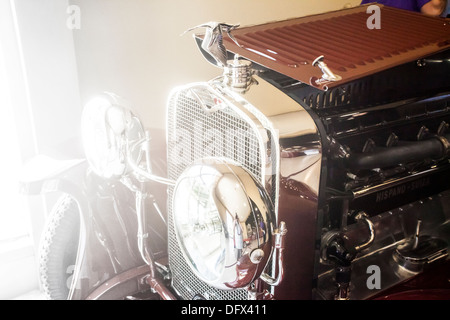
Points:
[[200, 227]]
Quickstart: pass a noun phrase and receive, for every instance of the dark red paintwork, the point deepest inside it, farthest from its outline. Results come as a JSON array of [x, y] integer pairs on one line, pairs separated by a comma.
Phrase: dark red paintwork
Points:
[[350, 48], [430, 285]]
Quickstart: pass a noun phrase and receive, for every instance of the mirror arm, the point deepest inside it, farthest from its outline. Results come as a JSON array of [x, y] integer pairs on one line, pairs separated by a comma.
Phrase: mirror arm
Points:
[[146, 174]]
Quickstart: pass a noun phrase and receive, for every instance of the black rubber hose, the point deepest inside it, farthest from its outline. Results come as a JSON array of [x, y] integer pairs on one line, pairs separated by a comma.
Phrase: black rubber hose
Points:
[[405, 152]]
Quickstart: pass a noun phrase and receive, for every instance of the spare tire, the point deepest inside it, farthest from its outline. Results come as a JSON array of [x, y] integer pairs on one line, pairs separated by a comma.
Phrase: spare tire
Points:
[[58, 248]]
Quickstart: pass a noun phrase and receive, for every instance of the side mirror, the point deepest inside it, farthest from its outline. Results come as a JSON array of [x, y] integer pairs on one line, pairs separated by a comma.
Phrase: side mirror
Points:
[[108, 128]]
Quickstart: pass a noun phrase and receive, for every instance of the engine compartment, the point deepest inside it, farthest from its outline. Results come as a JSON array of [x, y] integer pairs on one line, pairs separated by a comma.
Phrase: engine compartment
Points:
[[386, 148]]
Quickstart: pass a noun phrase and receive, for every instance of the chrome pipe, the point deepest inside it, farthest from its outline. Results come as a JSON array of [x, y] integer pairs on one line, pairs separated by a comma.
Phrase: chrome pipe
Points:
[[362, 216], [141, 172], [279, 246]]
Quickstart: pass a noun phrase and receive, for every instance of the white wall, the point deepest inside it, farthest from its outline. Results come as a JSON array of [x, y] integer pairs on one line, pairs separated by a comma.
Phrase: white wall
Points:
[[134, 47], [49, 64]]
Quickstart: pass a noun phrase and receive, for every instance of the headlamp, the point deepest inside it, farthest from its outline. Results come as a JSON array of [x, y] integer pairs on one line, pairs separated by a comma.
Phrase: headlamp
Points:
[[223, 220]]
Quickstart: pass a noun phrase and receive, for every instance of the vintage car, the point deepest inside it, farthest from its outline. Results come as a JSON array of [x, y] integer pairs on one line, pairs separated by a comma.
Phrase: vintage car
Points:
[[315, 166]]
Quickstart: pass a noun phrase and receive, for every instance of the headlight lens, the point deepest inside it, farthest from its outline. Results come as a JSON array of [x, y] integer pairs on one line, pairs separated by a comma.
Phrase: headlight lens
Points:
[[223, 222]]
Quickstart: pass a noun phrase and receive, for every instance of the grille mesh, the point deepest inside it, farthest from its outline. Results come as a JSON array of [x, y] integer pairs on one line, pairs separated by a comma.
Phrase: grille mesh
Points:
[[200, 125]]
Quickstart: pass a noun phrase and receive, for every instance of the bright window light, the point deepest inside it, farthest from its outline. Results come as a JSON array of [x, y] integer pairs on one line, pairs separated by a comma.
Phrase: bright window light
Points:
[[14, 221]]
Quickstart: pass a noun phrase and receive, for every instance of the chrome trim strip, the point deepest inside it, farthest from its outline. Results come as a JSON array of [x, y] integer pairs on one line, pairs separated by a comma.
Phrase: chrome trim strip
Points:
[[395, 182]]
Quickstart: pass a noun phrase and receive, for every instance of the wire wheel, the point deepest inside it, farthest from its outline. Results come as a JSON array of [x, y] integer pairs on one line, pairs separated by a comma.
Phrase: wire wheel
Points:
[[58, 249]]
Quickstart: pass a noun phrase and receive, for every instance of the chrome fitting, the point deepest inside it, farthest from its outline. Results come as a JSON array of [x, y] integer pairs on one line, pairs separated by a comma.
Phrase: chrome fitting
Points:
[[327, 73], [238, 74]]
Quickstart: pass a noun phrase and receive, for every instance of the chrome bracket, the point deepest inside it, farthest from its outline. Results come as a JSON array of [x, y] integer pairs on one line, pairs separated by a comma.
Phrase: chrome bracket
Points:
[[279, 245], [327, 73]]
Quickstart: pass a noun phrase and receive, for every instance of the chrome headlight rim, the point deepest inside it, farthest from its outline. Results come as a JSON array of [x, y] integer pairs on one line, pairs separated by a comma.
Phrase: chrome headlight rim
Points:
[[241, 230]]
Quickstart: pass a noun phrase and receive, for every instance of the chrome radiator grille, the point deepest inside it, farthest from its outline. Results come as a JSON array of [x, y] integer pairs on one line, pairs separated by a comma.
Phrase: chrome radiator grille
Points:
[[201, 124]]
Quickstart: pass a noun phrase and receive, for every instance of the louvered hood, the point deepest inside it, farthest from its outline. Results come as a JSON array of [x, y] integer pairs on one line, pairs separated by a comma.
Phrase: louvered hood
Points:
[[351, 50]]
